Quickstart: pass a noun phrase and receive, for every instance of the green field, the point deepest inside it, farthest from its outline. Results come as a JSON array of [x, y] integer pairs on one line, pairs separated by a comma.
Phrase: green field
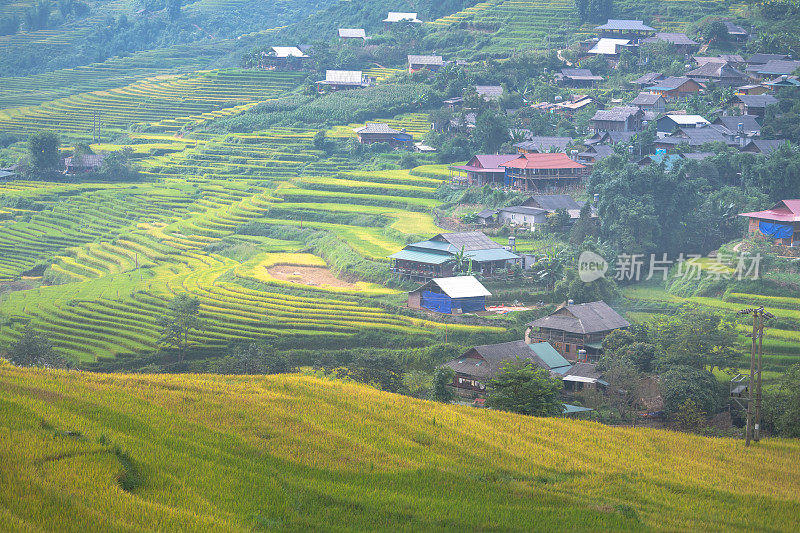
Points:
[[138, 452]]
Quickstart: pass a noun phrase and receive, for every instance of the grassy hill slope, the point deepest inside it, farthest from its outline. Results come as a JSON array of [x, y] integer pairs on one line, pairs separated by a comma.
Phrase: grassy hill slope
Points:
[[92, 451]]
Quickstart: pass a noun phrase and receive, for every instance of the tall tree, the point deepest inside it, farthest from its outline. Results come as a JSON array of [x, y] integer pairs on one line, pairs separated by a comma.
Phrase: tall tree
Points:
[[43, 149], [522, 388], [182, 318], [35, 349], [442, 392]]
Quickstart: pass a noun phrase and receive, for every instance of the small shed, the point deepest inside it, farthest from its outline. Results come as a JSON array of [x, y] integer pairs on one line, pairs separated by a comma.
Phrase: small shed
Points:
[[460, 294], [352, 33]]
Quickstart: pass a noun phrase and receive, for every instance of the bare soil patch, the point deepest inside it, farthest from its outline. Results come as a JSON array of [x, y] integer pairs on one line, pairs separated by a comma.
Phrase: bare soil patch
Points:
[[315, 276]]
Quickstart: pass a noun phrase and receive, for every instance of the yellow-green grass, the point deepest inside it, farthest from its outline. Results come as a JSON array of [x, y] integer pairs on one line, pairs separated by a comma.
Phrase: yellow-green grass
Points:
[[90, 452]]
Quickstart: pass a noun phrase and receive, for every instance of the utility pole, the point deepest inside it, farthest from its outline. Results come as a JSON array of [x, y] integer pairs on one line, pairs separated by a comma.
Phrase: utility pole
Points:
[[753, 426]]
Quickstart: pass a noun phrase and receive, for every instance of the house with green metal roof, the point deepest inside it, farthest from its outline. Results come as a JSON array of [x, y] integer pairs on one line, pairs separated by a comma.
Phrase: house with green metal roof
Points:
[[443, 255]]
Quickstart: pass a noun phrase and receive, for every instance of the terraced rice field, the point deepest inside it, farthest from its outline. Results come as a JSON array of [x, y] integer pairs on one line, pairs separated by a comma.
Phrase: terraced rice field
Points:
[[781, 344], [122, 251], [177, 100]]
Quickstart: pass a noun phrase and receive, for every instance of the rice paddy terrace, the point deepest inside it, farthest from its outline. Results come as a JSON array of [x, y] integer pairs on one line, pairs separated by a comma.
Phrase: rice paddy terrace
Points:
[[125, 249], [206, 452]]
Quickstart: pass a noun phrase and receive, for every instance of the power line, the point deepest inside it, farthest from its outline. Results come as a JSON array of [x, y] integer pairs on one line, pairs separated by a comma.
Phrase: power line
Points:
[[753, 426]]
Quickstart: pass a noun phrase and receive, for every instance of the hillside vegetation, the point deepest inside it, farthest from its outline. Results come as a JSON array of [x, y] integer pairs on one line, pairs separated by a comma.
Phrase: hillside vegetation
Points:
[[100, 452]]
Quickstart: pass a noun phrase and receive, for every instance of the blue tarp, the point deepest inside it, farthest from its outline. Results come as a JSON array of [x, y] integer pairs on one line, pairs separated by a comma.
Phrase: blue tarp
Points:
[[442, 303], [776, 230]]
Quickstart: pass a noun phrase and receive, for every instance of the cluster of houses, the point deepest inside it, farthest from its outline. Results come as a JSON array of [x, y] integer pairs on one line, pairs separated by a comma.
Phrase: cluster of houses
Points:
[[566, 344]]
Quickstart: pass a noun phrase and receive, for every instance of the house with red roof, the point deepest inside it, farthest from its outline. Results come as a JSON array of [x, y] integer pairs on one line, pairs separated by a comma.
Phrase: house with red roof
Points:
[[482, 170], [780, 222], [542, 171]]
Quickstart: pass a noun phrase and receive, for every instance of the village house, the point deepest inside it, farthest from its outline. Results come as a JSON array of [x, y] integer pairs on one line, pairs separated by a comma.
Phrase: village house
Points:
[[763, 146], [661, 158], [432, 63], [576, 331], [337, 80], [651, 78], [762, 59], [542, 171], [437, 257], [577, 77], [609, 137], [755, 104], [650, 102], [695, 137], [553, 202], [751, 89], [682, 43], [735, 31], [723, 74], [735, 60], [486, 217], [676, 87], [781, 222], [352, 33], [583, 376], [523, 216], [453, 295], [575, 103], [483, 170], [477, 366], [394, 17], [382, 133], [780, 82], [623, 118], [538, 144], [595, 153], [83, 163], [284, 58], [670, 123], [611, 48], [740, 125], [636, 30], [490, 93], [774, 68]]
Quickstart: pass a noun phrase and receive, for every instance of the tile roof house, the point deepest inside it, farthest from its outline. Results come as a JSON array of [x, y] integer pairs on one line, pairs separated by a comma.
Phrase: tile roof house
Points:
[[581, 376], [83, 163], [475, 367], [484, 169], [577, 77], [520, 215], [651, 78], [720, 73], [553, 202], [735, 31], [622, 118], [379, 132], [436, 257], [750, 126], [753, 104], [543, 144], [453, 295], [675, 87], [635, 29], [595, 153], [680, 41], [775, 68], [609, 137], [432, 63], [763, 146], [489, 92], [761, 59], [781, 222], [695, 137], [576, 331], [650, 102]]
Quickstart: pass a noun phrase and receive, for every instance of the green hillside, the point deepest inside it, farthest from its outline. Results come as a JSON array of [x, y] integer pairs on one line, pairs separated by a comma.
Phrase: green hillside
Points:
[[118, 452]]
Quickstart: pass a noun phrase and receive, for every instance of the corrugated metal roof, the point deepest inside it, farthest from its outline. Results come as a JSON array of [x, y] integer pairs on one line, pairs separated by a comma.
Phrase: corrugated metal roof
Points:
[[352, 33], [288, 51], [353, 77], [592, 317], [376, 127], [606, 46], [422, 257], [394, 16], [496, 254], [554, 360], [543, 161], [684, 120], [425, 60], [468, 240], [674, 38], [625, 24], [461, 287], [671, 83]]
